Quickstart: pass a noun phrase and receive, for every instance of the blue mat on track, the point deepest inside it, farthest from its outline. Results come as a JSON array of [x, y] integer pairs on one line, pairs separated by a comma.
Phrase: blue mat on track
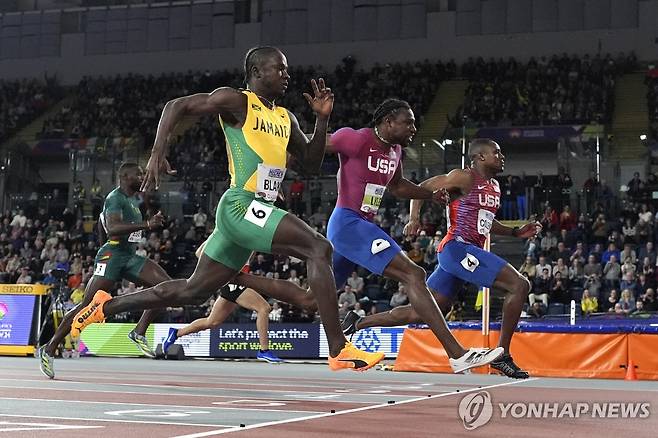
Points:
[[594, 324]]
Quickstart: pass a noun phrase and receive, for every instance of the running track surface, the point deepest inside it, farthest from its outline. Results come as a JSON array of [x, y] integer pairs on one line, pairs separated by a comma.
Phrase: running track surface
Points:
[[114, 397]]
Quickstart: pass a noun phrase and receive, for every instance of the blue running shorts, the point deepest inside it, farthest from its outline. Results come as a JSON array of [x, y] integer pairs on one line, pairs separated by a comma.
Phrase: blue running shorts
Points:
[[462, 262], [357, 241]]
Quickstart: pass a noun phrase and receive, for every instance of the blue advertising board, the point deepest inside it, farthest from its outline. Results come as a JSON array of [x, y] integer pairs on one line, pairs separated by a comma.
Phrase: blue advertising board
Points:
[[286, 340]]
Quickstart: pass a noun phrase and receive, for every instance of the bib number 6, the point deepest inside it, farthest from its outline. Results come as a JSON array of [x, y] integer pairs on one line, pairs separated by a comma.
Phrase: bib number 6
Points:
[[258, 213]]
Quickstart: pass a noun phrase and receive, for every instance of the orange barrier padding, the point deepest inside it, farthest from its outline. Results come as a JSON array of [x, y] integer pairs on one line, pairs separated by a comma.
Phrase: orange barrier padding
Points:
[[570, 354], [643, 349], [421, 351], [542, 354]]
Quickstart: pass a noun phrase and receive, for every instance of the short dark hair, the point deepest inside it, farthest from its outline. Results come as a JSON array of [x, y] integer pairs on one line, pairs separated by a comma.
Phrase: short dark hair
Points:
[[254, 57], [127, 165], [389, 106], [476, 145]]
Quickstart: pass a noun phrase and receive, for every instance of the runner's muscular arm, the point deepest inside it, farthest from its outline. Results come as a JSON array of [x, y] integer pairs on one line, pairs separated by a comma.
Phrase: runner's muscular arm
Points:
[[115, 226], [226, 101], [308, 152], [527, 230], [457, 182], [402, 188]]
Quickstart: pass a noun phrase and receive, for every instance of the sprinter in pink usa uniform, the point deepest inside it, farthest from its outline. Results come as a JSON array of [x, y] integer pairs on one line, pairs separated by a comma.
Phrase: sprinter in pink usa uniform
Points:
[[369, 165]]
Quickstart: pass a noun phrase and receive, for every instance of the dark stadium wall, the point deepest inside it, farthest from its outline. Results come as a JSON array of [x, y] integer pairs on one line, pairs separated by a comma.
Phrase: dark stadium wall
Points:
[[519, 28]]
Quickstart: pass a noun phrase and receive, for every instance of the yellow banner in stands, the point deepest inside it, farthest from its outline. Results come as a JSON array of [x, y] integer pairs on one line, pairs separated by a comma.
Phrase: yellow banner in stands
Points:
[[24, 289]]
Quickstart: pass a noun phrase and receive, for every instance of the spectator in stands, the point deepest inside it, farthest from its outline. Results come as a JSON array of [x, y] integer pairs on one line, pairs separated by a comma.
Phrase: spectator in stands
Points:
[[548, 243], [561, 268], [356, 283], [649, 300], [24, 277], [19, 219], [630, 284], [567, 219], [612, 272], [628, 253], [508, 198], [613, 298], [399, 298], [295, 195], [558, 292], [542, 288], [577, 272], [276, 314], [593, 283], [346, 301], [611, 251], [529, 268], [531, 247], [600, 229], [626, 301], [648, 269], [200, 219], [588, 303], [636, 187]]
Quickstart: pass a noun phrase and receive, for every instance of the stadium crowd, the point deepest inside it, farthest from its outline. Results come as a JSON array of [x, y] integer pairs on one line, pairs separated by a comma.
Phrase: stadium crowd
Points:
[[21, 101], [560, 89]]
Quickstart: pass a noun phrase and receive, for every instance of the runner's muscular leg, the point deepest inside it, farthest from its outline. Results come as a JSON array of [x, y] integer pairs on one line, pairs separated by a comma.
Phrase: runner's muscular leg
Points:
[[294, 237], [64, 327], [517, 288], [421, 299], [152, 274], [402, 314], [208, 276], [220, 311], [250, 299], [282, 290]]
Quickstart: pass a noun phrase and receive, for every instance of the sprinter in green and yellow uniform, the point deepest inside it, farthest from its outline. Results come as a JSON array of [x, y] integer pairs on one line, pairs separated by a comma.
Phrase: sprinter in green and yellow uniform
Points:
[[259, 134]]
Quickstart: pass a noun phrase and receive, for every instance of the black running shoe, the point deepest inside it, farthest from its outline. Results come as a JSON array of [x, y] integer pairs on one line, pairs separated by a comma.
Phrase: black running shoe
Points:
[[349, 323], [505, 364]]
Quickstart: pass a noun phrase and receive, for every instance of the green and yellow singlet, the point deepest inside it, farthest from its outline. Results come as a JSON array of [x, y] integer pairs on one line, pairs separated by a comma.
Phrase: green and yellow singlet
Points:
[[257, 151]]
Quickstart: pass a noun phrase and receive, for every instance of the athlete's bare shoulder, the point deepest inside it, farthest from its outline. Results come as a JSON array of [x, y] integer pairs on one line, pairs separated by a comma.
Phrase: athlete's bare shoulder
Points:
[[229, 103]]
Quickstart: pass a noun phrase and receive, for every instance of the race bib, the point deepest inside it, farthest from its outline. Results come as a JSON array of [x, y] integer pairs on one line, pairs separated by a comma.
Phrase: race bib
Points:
[[100, 269], [372, 198], [258, 213], [485, 221], [135, 236], [470, 262], [269, 181]]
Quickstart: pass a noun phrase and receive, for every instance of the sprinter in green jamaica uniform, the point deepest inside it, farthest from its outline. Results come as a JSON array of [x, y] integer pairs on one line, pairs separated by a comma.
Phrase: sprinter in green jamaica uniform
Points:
[[259, 135]]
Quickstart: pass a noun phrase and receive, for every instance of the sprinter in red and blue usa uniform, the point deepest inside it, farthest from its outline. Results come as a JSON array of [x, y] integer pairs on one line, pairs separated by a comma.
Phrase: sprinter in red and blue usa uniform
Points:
[[475, 198]]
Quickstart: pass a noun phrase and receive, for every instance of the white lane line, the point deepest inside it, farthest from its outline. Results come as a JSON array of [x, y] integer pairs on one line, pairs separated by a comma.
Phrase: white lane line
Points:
[[222, 408], [292, 394], [409, 386], [21, 427], [164, 423], [347, 411]]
